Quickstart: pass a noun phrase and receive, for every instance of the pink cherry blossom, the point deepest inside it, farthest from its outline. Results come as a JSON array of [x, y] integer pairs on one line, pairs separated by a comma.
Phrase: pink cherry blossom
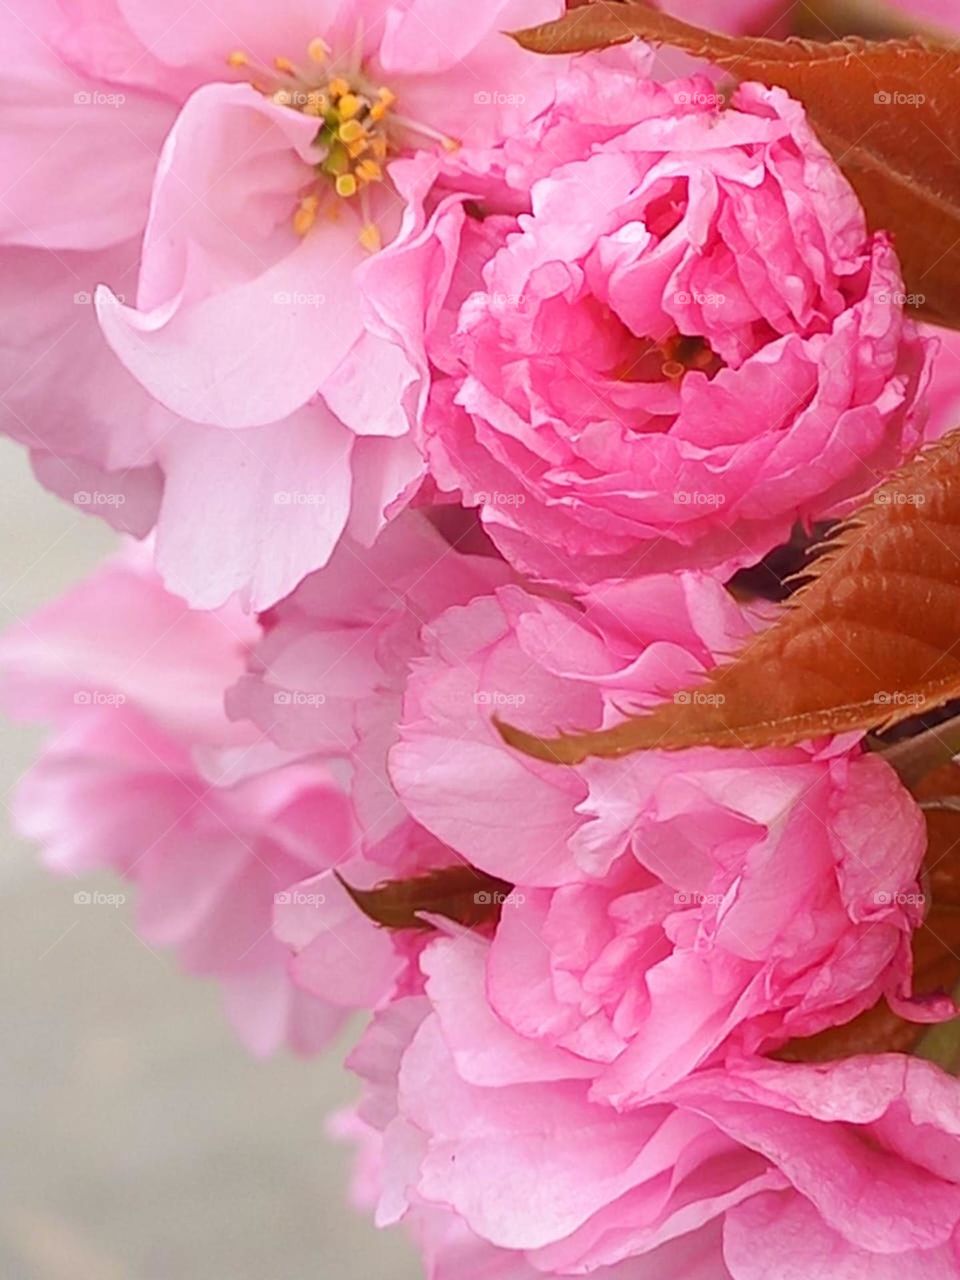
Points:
[[146, 776], [673, 906], [329, 675], [251, 415], [940, 14], [752, 16], [686, 344], [757, 1169]]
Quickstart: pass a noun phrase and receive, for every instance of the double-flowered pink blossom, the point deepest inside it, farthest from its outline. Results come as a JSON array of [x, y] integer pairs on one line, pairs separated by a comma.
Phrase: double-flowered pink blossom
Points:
[[582, 1084], [559, 1092], [448, 384], [491, 1150], [667, 334], [215, 174]]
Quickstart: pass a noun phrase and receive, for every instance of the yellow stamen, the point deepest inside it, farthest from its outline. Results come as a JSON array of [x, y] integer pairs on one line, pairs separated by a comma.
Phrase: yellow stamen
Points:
[[237, 59], [285, 65], [386, 96], [450, 144], [369, 171], [346, 185], [370, 238], [348, 106], [378, 146], [356, 149], [338, 87], [318, 50], [306, 214], [378, 111], [350, 130]]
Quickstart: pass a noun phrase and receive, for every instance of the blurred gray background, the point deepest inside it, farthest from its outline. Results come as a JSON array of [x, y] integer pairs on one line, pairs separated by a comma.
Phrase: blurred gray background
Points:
[[140, 1142]]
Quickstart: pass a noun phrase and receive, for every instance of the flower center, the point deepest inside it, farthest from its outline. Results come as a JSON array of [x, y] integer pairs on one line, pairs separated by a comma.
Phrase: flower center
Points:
[[669, 360], [357, 128]]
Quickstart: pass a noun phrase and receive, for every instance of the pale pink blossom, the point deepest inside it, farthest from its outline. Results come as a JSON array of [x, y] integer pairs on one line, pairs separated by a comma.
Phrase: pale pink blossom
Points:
[[939, 14], [756, 17], [160, 157]]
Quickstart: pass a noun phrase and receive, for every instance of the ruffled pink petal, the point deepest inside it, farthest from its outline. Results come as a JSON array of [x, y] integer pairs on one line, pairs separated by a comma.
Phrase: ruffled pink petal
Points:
[[781, 1233]]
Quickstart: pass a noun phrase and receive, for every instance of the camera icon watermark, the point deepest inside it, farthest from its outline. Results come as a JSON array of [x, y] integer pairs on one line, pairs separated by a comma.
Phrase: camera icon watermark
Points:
[[98, 698], [885, 898], [298, 698], [897, 698], [496, 98], [97, 898], [96, 498], [298, 498], [497, 698], [494, 898], [294, 298], [298, 898], [698, 698], [898, 498], [698, 498], [497, 498], [894, 98], [97, 98]]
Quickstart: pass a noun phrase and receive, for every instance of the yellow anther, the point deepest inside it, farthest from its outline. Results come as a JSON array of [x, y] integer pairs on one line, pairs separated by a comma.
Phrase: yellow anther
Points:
[[378, 111], [378, 146], [306, 214], [450, 144], [318, 50], [338, 87], [346, 185], [285, 65], [350, 130], [237, 59], [349, 106], [370, 238], [356, 149], [386, 96], [369, 171]]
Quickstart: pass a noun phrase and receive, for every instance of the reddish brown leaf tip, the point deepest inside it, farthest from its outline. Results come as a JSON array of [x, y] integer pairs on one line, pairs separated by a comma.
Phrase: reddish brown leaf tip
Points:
[[460, 893], [869, 641]]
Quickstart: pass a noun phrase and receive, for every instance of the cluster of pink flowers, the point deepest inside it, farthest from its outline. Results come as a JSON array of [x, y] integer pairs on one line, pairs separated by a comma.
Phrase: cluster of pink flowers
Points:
[[439, 381]]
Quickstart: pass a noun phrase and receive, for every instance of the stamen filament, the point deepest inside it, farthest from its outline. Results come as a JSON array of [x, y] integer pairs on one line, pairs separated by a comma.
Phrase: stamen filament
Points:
[[445, 141]]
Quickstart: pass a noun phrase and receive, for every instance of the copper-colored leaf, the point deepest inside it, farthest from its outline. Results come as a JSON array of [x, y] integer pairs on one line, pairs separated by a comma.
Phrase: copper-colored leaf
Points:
[[936, 948], [888, 111], [872, 639], [459, 893]]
